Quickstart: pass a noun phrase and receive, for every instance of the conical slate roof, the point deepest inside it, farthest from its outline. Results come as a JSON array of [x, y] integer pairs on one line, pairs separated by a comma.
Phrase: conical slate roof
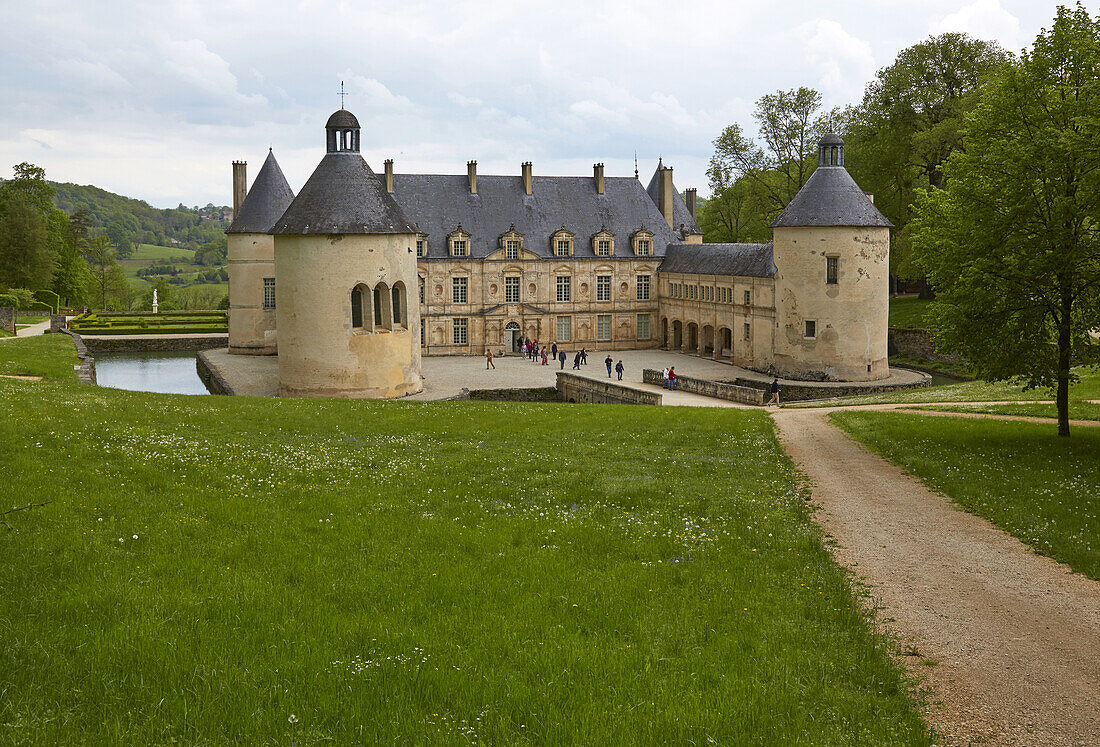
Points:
[[830, 197], [343, 196], [680, 213], [265, 202]]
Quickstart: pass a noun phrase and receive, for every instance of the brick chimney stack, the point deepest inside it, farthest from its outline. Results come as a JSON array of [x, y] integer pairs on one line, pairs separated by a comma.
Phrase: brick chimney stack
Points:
[[240, 185], [389, 175], [526, 166], [597, 174], [471, 176]]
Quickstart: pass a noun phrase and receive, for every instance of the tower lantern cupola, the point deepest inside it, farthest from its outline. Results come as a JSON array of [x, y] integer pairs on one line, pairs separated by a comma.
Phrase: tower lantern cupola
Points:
[[342, 132], [830, 150]]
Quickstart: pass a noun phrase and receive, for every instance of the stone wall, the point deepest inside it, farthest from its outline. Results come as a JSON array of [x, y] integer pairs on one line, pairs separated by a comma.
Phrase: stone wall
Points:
[[58, 323], [86, 370], [717, 389], [211, 378], [917, 345], [810, 390], [7, 319], [579, 389], [125, 344]]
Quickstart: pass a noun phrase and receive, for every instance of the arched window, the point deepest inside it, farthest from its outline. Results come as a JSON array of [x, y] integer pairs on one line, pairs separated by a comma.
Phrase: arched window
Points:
[[382, 313], [400, 313], [359, 296]]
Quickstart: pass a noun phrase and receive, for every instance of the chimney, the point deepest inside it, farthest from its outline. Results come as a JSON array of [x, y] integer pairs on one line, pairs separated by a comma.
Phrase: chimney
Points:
[[389, 176], [526, 177], [666, 194], [471, 176], [690, 195], [240, 185], [597, 174]]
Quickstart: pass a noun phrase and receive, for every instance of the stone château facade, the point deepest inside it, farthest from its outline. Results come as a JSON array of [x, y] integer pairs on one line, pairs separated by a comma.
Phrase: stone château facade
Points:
[[599, 262]]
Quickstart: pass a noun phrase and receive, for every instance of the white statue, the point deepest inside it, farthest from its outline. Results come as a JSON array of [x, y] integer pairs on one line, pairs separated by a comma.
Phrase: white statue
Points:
[[155, 304]]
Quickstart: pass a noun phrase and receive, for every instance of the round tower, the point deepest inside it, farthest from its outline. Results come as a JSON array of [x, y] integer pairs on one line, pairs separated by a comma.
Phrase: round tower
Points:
[[832, 258], [348, 323], [250, 258]]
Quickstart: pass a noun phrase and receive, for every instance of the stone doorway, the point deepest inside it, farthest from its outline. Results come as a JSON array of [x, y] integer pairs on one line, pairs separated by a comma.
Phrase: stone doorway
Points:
[[513, 338]]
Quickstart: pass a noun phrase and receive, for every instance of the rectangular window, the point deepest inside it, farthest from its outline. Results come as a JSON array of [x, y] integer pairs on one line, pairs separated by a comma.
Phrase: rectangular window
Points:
[[421, 290], [748, 331], [458, 290], [831, 270], [564, 288], [511, 248], [811, 328], [511, 290], [421, 335], [643, 247], [460, 331], [748, 298], [565, 328], [459, 247], [269, 293], [603, 328], [643, 287], [603, 287], [643, 327], [420, 247], [563, 248], [603, 248]]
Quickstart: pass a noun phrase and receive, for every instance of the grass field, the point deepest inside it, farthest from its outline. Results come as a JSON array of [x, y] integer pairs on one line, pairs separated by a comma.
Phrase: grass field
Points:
[[233, 570], [1078, 410], [145, 255], [151, 252], [1040, 488], [908, 312]]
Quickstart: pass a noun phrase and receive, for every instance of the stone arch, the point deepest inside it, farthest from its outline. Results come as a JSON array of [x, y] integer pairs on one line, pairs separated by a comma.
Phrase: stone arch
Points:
[[706, 341], [691, 338], [664, 331], [360, 308], [399, 306], [724, 348], [383, 315], [677, 334]]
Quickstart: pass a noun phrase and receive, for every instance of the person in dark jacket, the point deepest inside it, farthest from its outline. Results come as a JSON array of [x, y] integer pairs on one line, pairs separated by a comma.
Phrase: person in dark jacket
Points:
[[619, 370], [608, 361], [554, 351], [577, 362], [561, 359], [774, 389]]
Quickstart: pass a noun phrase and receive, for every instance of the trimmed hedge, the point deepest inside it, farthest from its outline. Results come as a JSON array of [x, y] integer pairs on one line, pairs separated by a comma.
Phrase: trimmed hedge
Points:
[[151, 324]]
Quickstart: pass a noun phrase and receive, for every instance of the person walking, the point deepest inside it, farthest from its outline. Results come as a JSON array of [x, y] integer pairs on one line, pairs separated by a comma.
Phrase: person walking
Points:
[[489, 360], [664, 377], [609, 362], [672, 378], [577, 362], [774, 389], [544, 356], [619, 370], [554, 351], [561, 359], [584, 356]]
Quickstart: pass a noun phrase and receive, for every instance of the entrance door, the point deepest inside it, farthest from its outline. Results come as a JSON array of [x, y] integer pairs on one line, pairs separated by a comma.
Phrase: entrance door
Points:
[[512, 338]]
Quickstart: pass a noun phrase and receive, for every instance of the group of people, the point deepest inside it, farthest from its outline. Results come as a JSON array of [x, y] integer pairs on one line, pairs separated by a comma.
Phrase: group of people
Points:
[[668, 377], [531, 351]]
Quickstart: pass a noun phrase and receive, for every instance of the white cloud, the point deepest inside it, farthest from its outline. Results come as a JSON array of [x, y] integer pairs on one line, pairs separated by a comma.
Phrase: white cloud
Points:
[[192, 62], [460, 100], [95, 75], [371, 94], [839, 64], [983, 19]]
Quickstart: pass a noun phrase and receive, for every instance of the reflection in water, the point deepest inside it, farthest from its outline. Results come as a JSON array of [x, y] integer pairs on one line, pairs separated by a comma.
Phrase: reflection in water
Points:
[[172, 373]]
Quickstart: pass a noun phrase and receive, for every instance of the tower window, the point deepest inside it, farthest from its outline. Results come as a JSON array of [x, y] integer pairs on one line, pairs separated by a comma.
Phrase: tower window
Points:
[[420, 247], [269, 293], [357, 307], [831, 270], [811, 329]]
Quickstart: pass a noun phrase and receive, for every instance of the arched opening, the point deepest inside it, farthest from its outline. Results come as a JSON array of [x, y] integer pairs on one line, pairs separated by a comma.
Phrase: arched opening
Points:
[[692, 338], [677, 334], [400, 311], [725, 337], [382, 313], [664, 331], [707, 343], [359, 312], [512, 337]]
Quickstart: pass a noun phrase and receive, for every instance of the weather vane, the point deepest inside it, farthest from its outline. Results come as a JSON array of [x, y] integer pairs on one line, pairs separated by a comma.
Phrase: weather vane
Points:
[[342, 94]]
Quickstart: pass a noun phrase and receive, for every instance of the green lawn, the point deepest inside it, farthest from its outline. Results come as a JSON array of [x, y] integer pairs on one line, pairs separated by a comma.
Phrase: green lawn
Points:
[[1077, 410], [908, 312], [233, 570], [1043, 489], [155, 252]]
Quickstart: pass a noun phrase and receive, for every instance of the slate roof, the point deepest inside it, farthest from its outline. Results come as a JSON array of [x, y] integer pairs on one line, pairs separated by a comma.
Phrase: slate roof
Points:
[[343, 196], [739, 260], [342, 119], [437, 203], [265, 202], [680, 212], [830, 197]]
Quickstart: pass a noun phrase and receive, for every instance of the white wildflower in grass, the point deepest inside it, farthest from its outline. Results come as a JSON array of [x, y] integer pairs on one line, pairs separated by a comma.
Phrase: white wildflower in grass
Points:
[[135, 536], [293, 719], [121, 539]]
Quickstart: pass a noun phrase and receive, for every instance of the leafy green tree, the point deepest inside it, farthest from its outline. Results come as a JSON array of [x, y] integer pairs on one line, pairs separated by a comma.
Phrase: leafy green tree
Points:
[[107, 276], [30, 180], [909, 123], [25, 257], [118, 234], [1012, 243], [71, 276], [80, 225]]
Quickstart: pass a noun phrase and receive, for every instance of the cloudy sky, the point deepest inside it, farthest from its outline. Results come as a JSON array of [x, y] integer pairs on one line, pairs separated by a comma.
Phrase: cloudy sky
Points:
[[154, 99]]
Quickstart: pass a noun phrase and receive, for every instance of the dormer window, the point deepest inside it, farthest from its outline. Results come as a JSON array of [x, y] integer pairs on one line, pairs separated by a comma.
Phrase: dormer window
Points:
[[642, 241], [512, 242], [421, 244], [562, 242], [603, 243], [458, 242]]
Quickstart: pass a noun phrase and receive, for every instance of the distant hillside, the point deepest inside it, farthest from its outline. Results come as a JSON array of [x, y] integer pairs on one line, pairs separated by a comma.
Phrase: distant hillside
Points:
[[189, 227]]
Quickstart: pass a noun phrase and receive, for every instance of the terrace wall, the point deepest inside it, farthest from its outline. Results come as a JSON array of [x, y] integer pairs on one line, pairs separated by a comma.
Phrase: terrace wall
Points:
[[717, 389], [7, 319], [579, 389]]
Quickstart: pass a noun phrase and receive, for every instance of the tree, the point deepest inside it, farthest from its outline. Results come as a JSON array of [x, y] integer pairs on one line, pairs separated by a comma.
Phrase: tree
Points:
[[25, 257], [909, 123], [107, 277], [80, 224], [70, 275], [119, 236], [30, 180], [1012, 243]]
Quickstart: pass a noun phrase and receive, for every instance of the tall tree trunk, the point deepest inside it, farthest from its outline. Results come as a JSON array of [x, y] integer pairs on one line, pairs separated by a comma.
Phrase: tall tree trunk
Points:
[[1064, 357]]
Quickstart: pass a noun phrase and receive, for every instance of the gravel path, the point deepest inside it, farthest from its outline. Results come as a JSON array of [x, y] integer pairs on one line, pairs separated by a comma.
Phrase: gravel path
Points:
[[1008, 642]]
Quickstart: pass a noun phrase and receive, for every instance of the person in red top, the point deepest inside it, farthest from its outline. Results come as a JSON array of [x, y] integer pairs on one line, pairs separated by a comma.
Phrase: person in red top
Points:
[[672, 378]]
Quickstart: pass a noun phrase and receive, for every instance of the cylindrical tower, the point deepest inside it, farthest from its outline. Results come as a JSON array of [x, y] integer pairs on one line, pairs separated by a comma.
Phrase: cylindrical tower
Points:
[[250, 260], [832, 258], [348, 315]]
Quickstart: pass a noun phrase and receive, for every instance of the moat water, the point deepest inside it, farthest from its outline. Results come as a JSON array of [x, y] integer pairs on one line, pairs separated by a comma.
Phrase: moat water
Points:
[[169, 373]]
